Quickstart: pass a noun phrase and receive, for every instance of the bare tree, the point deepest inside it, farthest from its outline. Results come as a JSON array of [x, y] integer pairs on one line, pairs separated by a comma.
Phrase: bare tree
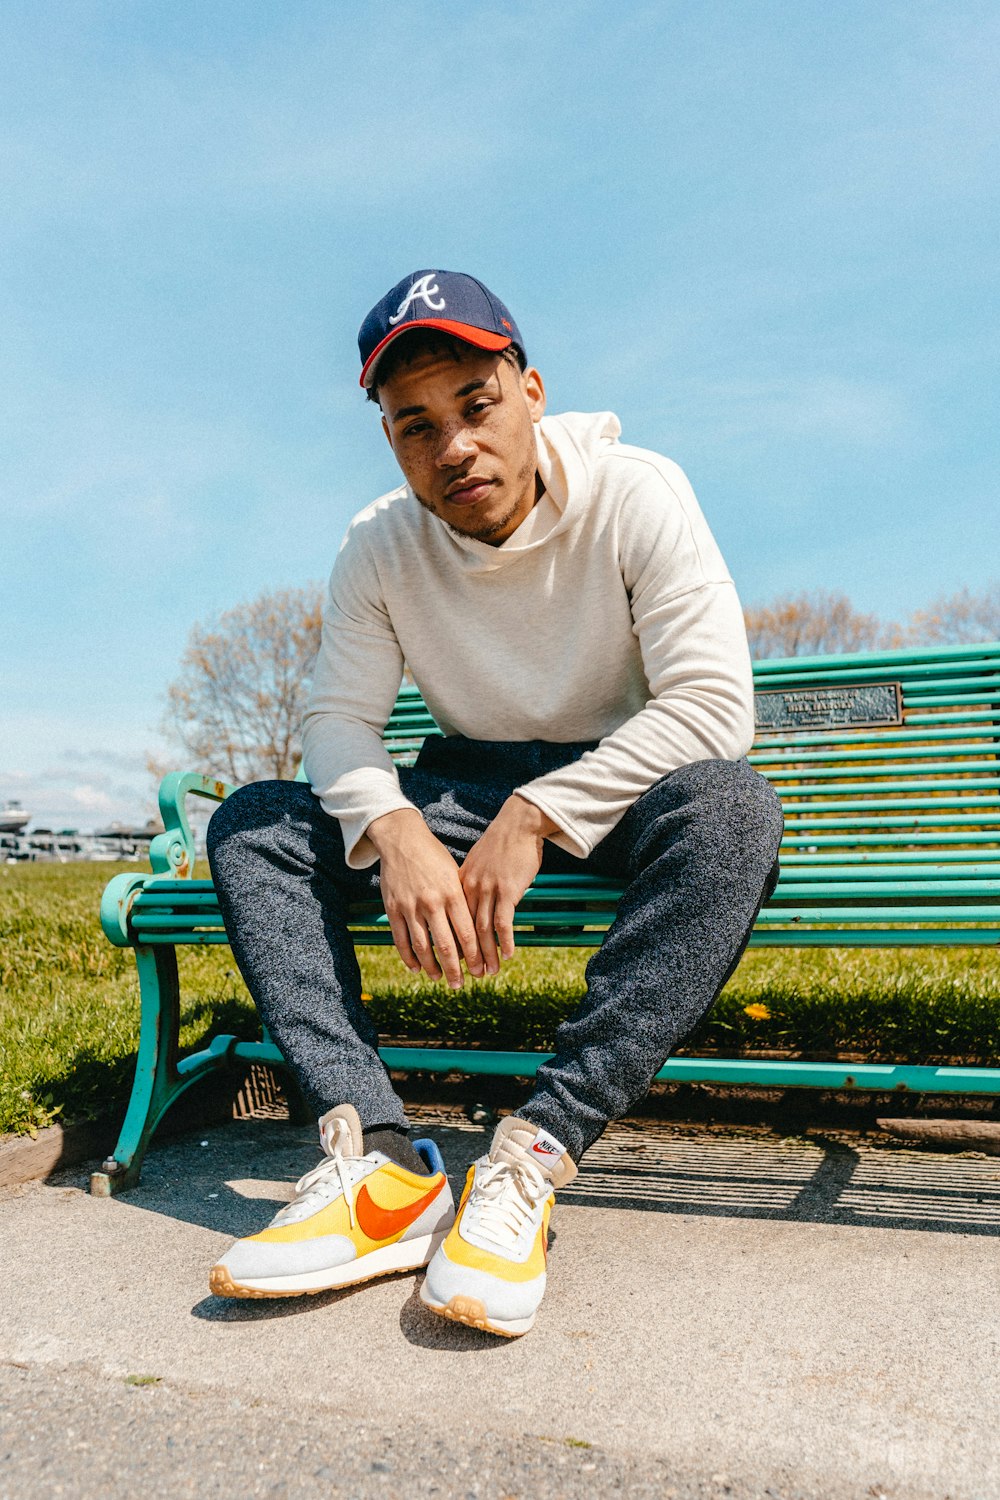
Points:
[[958, 617], [237, 705], [817, 624]]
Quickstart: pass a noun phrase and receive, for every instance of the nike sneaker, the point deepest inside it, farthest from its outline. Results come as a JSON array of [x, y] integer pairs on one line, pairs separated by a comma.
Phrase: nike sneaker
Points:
[[490, 1271], [355, 1216]]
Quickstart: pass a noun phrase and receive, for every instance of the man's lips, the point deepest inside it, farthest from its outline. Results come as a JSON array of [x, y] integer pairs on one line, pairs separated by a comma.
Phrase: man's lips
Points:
[[469, 492]]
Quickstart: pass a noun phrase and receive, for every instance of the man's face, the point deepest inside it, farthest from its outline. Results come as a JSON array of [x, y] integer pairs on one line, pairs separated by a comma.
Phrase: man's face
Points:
[[463, 434]]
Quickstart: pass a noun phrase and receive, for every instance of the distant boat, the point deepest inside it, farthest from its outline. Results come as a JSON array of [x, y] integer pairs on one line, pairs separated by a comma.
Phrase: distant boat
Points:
[[119, 841], [13, 818], [137, 833]]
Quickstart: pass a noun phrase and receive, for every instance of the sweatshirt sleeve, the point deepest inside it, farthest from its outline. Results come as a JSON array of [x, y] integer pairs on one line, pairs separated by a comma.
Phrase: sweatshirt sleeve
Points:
[[355, 682], [689, 625]]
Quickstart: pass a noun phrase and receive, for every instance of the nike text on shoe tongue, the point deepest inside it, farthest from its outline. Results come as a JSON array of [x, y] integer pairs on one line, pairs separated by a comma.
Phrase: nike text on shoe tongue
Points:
[[519, 1141], [547, 1148]]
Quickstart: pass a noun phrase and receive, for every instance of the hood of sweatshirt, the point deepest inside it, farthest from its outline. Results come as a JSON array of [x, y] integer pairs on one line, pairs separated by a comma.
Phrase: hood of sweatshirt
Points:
[[569, 446]]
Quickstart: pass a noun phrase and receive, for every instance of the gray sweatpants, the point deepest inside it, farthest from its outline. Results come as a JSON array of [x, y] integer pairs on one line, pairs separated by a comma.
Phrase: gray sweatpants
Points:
[[697, 854]]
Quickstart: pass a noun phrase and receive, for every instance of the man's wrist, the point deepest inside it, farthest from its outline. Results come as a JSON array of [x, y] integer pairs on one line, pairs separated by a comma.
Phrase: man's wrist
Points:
[[392, 826], [532, 818]]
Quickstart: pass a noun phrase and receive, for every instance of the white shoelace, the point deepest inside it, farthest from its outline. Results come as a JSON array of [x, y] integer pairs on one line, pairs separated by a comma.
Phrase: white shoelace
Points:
[[505, 1199], [330, 1172], [334, 1175]]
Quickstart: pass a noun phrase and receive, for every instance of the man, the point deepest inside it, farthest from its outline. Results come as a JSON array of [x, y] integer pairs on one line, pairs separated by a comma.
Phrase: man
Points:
[[566, 614]]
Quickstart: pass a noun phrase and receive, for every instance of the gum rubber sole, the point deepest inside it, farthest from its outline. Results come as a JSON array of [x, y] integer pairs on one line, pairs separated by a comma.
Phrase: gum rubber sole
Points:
[[220, 1283], [471, 1312]]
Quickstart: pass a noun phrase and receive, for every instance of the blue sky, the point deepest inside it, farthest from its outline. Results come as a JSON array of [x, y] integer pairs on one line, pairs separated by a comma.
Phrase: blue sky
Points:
[[764, 234]]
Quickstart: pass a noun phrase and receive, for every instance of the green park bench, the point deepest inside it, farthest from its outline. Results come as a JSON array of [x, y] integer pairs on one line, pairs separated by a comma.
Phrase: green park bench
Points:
[[888, 769]]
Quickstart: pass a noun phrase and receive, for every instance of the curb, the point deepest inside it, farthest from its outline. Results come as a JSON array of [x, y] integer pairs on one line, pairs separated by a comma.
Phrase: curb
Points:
[[253, 1093], [957, 1135], [27, 1159]]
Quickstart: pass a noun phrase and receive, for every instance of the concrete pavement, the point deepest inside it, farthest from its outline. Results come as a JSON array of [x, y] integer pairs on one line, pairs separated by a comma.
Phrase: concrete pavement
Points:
[[728, 1313]]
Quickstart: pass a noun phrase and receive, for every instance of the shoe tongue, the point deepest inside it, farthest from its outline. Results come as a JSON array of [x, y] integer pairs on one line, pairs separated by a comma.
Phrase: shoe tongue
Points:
[[517, 1141], [340, 1132]]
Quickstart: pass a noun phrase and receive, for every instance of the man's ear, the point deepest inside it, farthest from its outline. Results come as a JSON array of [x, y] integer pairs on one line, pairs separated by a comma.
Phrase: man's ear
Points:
[[534, 393]]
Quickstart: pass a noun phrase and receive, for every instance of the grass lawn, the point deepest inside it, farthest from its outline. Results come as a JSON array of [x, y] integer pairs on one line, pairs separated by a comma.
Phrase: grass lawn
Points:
[[69, 1004]]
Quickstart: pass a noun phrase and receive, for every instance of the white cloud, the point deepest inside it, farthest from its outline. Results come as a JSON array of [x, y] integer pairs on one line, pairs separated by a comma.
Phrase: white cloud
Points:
[[92, 799], [83, 787], [825, 409], [823, 406]]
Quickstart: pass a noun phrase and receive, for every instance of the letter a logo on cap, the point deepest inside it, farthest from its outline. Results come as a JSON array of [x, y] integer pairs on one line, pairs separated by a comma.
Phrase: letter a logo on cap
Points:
[[423, 290]]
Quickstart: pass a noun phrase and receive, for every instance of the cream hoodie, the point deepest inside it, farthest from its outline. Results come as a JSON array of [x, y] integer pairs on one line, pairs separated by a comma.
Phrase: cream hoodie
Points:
[[608, 615]]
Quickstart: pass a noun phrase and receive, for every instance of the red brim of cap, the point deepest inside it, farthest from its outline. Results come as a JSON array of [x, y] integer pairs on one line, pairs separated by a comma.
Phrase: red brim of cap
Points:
[[479, 337]]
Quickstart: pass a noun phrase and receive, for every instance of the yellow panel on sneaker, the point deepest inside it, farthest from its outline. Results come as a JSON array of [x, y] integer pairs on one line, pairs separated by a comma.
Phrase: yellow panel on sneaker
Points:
[[463, 1252], [388, 1201]]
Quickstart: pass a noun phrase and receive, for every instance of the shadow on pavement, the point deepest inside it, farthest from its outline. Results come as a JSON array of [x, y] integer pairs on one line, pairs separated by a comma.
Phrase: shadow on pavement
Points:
[[814, 1180], [417, 1324], [428, 1331]]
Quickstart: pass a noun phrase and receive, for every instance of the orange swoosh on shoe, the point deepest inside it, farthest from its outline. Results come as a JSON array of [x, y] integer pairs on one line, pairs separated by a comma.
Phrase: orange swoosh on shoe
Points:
[[382, 1223]]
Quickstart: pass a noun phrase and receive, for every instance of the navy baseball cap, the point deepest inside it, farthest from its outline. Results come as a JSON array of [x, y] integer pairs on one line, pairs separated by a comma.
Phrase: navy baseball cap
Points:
[[448, 300]]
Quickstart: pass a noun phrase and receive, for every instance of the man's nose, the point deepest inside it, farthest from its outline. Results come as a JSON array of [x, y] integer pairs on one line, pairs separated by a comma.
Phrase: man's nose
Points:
[[456, 447]]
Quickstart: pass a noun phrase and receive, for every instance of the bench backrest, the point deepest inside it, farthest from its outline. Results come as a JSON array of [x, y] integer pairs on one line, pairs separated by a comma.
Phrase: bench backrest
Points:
[[865, 786]]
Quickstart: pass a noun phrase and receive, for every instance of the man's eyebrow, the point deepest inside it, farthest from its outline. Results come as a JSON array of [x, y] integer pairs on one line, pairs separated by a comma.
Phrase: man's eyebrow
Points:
[[416, 411]]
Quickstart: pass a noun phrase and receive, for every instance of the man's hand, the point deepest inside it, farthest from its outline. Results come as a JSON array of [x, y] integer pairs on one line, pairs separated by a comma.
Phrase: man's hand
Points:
[[498, 871], [423, 898]]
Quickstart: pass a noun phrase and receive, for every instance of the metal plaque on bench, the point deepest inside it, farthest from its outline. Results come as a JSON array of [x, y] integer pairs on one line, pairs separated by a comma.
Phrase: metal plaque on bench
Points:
[[863, 705]]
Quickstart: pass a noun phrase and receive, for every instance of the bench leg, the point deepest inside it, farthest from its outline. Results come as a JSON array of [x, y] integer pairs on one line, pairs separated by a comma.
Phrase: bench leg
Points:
[[159, 1081]]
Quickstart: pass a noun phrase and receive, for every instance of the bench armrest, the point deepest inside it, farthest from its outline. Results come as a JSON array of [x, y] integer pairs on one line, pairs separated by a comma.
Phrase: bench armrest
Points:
[[172, 852]]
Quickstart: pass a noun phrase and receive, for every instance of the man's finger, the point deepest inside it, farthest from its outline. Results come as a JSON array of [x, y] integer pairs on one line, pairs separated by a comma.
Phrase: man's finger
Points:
[[401, 938], [423, 947], [464, 929], [447, 953], [503, 921], [486, 935]]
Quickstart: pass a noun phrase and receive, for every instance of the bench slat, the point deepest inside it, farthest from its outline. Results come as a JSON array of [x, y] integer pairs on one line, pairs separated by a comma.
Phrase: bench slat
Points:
[[880, 804], [906, 752], [910, 863], [959, 776], [903, 735], [918, 677], [831, 936]]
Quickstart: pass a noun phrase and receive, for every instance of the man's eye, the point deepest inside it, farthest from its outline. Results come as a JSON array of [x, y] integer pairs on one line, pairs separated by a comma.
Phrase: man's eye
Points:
[[478, 407], [415, 429]]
